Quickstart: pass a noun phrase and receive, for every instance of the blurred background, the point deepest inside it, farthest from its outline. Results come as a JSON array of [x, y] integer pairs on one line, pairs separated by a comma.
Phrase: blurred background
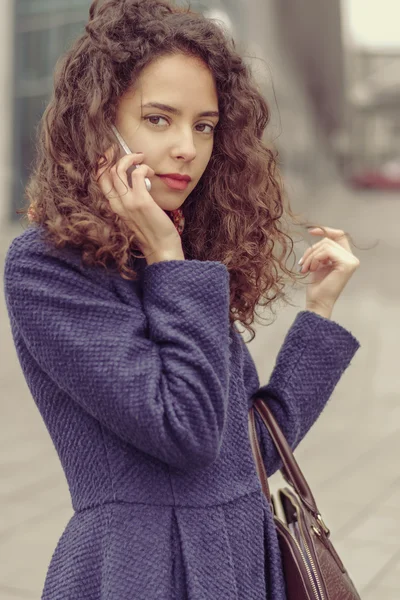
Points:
[[330, 70]]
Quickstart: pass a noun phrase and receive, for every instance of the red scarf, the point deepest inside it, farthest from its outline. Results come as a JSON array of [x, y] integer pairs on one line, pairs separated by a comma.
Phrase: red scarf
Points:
[[177, 218]]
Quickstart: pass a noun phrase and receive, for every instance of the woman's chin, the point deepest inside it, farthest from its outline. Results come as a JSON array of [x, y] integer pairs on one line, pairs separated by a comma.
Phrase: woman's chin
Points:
[[169, 204]]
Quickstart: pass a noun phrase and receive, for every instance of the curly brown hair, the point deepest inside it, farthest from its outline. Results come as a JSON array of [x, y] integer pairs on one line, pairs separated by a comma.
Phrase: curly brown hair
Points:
[[236, 212]]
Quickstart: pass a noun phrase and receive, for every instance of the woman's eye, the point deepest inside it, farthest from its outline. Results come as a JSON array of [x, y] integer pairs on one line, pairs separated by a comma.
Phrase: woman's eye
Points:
[[151, 120], [207, 125], [155, 124]]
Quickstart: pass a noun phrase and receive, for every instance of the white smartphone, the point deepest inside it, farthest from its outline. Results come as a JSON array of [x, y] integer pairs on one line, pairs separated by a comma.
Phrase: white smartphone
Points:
[[126, 149]]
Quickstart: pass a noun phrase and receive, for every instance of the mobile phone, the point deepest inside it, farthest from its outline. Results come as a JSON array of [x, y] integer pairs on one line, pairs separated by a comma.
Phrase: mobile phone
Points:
[[126, 149]]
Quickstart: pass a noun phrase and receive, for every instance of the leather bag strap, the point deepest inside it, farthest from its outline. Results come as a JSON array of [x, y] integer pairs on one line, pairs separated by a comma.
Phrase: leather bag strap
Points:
[[262, 474], [290, 470]]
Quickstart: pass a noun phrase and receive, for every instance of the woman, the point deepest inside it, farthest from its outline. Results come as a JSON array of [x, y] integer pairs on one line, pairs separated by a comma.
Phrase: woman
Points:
[[124, 321]]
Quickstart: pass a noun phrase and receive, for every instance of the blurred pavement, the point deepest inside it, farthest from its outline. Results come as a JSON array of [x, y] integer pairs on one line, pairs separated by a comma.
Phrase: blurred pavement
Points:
[[350, 457]]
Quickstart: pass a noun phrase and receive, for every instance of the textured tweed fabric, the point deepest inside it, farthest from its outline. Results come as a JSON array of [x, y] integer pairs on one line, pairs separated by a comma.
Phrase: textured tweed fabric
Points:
[[144, 388]]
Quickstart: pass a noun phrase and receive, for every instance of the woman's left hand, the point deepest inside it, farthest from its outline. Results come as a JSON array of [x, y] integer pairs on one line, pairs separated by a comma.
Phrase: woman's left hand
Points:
[[331, 263]]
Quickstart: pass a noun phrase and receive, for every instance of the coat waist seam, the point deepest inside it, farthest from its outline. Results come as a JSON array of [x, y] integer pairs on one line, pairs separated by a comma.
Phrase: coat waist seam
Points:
[[97, 505]]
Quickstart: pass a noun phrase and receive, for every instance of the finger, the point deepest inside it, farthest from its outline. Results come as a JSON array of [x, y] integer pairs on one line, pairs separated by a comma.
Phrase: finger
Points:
[[336, 254], [105, 181], [126, 165], [326, 242], [132, 174], [320, 259], [324, 253], [120, 182], [122, 169], [139, 175], [313, 249], [337, 235], [128, 160]]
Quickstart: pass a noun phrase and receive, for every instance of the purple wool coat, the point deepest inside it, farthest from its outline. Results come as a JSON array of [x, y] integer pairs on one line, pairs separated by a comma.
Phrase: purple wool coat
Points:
[[144, 388]]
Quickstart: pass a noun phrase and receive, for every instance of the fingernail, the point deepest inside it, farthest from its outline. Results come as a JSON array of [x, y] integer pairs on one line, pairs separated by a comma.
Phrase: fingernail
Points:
[[300, 268], [301, 261]]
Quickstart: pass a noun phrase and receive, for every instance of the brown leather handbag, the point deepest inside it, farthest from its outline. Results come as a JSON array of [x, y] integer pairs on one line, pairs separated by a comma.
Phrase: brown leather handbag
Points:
[[312, 568]]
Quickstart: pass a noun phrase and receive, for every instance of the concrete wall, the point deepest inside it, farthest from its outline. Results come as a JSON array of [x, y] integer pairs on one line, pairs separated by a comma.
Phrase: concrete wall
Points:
[[313, 31]]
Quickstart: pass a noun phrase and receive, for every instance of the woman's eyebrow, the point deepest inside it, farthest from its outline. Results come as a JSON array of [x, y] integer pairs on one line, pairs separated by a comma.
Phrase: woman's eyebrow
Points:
[[176, 111]]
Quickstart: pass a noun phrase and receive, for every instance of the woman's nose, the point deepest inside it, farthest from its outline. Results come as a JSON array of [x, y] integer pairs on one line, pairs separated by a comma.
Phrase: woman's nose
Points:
[[185, 147]]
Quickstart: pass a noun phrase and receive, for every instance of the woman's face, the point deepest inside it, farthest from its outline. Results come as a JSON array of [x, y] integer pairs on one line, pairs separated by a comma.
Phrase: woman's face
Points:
[[173, 141]]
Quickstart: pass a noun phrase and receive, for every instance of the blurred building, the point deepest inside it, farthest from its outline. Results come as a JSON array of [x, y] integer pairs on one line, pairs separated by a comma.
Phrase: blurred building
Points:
[[293, 45], [373, 114], [368, 148]]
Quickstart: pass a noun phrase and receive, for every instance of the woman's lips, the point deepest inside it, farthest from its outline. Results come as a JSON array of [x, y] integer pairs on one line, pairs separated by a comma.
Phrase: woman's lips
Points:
[[174, 184]]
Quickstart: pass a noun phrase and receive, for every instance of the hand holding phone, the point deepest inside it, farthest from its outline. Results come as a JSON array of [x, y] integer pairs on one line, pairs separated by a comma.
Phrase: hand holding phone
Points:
[[156, 234], [126, 149]]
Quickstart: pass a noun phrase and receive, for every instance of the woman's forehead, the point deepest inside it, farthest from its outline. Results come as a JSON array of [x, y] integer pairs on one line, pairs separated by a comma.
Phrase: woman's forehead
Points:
[[179, 82]]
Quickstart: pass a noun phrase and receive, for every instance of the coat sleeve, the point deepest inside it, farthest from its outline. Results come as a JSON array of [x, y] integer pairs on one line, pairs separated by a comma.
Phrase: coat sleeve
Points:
[[315, 353], [165, 391]]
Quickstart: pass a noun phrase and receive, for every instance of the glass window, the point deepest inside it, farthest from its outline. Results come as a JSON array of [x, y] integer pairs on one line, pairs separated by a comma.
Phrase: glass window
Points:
[[44, 29], [33, 57]]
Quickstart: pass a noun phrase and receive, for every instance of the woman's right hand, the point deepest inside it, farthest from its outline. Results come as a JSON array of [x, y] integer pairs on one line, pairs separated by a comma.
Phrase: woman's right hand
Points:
[[154, 230]]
